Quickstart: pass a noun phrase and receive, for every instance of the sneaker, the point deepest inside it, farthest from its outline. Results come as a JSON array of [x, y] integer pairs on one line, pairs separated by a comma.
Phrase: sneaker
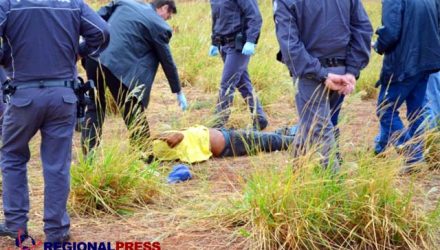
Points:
[[61, 239]]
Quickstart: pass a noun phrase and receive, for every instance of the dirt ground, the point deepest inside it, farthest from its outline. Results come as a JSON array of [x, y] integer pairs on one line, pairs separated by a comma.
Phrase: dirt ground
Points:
[[170, 222]]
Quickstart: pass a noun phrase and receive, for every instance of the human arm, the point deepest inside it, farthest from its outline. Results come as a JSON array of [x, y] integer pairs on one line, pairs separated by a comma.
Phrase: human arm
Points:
[[95, 32], [4, 10], [253, 19], [171, 138], [295, 55], [389, 32], [160, 42], [358, 52]]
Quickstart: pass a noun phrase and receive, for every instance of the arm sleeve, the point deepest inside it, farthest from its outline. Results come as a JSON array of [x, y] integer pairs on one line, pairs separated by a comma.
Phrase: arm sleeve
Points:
[[358, 52], [213, 17], [293, 51], [389, 32], [95, 32], [163, 52], [253, 19], [4, 11]]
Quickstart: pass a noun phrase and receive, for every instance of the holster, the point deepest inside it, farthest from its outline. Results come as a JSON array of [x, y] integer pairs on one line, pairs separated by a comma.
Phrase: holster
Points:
[[81, 90], [7, 90]]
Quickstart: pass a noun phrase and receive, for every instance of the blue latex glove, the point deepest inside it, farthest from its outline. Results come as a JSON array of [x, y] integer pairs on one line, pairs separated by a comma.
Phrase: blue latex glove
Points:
[[182, 100], [213, 50], [248, 49]]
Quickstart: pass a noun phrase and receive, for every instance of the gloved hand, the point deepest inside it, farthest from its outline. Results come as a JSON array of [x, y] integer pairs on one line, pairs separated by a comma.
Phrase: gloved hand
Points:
[[248, 49], [181, 99], [213, 50]]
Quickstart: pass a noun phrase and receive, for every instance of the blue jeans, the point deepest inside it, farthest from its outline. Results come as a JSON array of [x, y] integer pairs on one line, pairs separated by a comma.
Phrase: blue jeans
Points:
[[412, 91], [433, 100], [248, 142]]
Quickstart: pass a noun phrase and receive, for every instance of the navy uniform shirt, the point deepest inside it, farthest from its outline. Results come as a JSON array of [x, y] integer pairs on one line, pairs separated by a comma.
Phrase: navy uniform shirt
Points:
[[140, 41], [230, 17], [41, 37], [311, 30]]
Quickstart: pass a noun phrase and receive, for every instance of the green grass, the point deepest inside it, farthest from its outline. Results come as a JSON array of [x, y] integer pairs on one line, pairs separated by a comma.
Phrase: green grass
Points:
[[308, 208], [114, 180]]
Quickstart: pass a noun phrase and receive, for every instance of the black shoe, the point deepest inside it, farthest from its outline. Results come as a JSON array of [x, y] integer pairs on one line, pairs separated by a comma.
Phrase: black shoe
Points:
[[64, 238], [4, 231], [260, 123]]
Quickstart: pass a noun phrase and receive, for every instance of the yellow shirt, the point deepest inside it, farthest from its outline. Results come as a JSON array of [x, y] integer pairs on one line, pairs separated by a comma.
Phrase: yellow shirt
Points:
[[193, 148]]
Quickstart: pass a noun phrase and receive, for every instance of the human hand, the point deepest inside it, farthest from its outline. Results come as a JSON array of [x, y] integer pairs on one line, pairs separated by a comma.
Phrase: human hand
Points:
[[181, 99], [350, 84], [248, 49], [213, 51], [335, 82]]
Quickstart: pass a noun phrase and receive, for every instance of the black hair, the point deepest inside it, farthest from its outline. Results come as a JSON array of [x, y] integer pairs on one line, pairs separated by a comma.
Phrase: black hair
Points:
[[171, 5]]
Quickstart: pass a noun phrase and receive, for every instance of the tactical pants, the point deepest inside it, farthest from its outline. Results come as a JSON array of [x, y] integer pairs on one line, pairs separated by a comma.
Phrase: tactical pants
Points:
[[412, 91], [235, 75], [53, 112], [131, 109], [317, 106]]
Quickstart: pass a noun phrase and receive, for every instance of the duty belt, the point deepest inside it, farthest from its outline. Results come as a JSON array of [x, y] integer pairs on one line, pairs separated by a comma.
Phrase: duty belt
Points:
[[332, 62], [222, 40], [45, 84]]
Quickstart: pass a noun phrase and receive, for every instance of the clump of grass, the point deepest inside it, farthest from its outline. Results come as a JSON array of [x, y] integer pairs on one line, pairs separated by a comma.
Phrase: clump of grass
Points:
[[113, 181], [432, 151], [310, 208]]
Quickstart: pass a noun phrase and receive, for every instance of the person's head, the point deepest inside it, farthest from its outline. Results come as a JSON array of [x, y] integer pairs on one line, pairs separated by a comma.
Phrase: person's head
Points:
[[165, 8]]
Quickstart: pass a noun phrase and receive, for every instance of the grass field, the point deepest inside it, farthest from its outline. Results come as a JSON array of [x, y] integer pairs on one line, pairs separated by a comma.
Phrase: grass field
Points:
[[256, 202]]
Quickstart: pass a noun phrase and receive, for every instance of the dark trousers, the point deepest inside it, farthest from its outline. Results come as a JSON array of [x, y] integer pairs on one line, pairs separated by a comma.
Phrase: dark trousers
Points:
[[52, 112], [248, 142], [412, 91], [318, 110], [235, 76], [131, 108]]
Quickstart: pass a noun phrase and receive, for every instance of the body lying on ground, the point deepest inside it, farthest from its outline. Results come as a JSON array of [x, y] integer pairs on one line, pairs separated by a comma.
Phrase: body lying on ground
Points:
[[200, 143]]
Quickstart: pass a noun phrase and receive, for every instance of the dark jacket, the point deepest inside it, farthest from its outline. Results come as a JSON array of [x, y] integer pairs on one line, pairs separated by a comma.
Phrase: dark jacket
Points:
[[41, 38], [309, 30], [409, 38], [230, 17], [139, 42]]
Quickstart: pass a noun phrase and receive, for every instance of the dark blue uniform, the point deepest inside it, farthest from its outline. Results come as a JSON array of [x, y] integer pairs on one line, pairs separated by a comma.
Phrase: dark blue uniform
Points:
[[409, 60], [140, 42], [317, 38], [230, 18], [41, 44]]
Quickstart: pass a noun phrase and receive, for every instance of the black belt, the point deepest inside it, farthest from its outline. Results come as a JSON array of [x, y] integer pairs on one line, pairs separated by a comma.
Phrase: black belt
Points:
[[332, 62], [222, 40], [45, 84]]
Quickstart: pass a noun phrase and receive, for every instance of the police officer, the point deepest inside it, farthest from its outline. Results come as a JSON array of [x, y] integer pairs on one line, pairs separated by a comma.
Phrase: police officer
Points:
[[325, 46], [42, 47], [140, 41], [236, 26], [407, 64]]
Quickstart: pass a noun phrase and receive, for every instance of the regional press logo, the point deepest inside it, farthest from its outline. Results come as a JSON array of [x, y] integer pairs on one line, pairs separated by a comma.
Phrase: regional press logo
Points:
[[25, 242]]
